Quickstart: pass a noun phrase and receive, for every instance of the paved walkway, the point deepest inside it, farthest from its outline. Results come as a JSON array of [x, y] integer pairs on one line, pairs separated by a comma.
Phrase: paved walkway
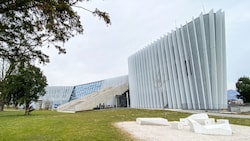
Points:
[[163, 133], [222, 114], [166, 133]]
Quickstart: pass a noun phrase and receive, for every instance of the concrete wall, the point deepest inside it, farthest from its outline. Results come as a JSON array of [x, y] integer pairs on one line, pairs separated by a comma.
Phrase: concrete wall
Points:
[[239, 109]]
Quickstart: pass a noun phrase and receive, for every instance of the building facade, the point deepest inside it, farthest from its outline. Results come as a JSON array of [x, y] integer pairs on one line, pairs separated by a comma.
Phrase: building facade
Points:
[[59, 95], [185, 69], [55, 96]]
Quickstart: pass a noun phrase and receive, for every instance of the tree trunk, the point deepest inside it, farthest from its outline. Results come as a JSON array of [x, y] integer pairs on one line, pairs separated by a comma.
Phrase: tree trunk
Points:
[[27, 109], [1, 105]]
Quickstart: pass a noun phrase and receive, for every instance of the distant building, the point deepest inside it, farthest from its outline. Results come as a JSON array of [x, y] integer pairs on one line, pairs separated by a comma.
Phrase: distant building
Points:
[[232, 94], [235, 102]]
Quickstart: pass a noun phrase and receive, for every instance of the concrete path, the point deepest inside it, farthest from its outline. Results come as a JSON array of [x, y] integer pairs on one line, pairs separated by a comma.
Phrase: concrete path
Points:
[[166, 133], [212, 113]]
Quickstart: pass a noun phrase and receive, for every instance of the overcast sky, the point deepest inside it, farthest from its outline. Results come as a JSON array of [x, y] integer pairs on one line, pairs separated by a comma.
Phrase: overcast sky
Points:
[[102, 51]]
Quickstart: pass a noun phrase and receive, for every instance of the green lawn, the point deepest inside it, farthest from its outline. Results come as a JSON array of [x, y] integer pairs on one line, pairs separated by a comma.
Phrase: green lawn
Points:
[[87, 126]]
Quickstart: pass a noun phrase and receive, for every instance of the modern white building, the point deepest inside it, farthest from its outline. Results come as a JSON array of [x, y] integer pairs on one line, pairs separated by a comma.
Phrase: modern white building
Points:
[[185, 69], [54, 97], [57, 96]]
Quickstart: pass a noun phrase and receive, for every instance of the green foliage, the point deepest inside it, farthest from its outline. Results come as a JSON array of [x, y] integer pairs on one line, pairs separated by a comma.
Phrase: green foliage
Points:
[[28, 25], [23, 86], [89, 125], [243, 87]]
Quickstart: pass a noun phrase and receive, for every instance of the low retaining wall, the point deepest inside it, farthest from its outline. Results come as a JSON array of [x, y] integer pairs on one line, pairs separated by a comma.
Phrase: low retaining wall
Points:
[[239, 108]]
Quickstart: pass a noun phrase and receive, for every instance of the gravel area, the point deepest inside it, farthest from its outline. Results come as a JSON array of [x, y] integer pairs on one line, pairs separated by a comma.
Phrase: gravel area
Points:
[[166, 133]]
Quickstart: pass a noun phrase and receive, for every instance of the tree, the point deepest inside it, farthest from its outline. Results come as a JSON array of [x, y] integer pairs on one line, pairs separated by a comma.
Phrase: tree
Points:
[[23, 86], [28, 25], [243, 87], [3, 69]]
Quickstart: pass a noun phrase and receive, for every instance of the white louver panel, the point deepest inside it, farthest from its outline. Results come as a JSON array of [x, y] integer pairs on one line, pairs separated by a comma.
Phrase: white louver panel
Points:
[[185, 69]]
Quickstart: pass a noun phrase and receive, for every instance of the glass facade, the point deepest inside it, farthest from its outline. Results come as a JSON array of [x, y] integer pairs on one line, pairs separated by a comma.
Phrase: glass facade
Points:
[[85, 89]]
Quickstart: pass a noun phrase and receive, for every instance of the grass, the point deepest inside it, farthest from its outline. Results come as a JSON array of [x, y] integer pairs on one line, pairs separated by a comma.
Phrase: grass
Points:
[[89, 125]]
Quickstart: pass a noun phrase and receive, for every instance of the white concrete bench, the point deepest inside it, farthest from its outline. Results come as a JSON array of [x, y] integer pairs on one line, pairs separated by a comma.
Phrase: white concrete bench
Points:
[[152, 121], [184, 121], [219, 121], [208, 121], [176, 125], [213, 129]]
